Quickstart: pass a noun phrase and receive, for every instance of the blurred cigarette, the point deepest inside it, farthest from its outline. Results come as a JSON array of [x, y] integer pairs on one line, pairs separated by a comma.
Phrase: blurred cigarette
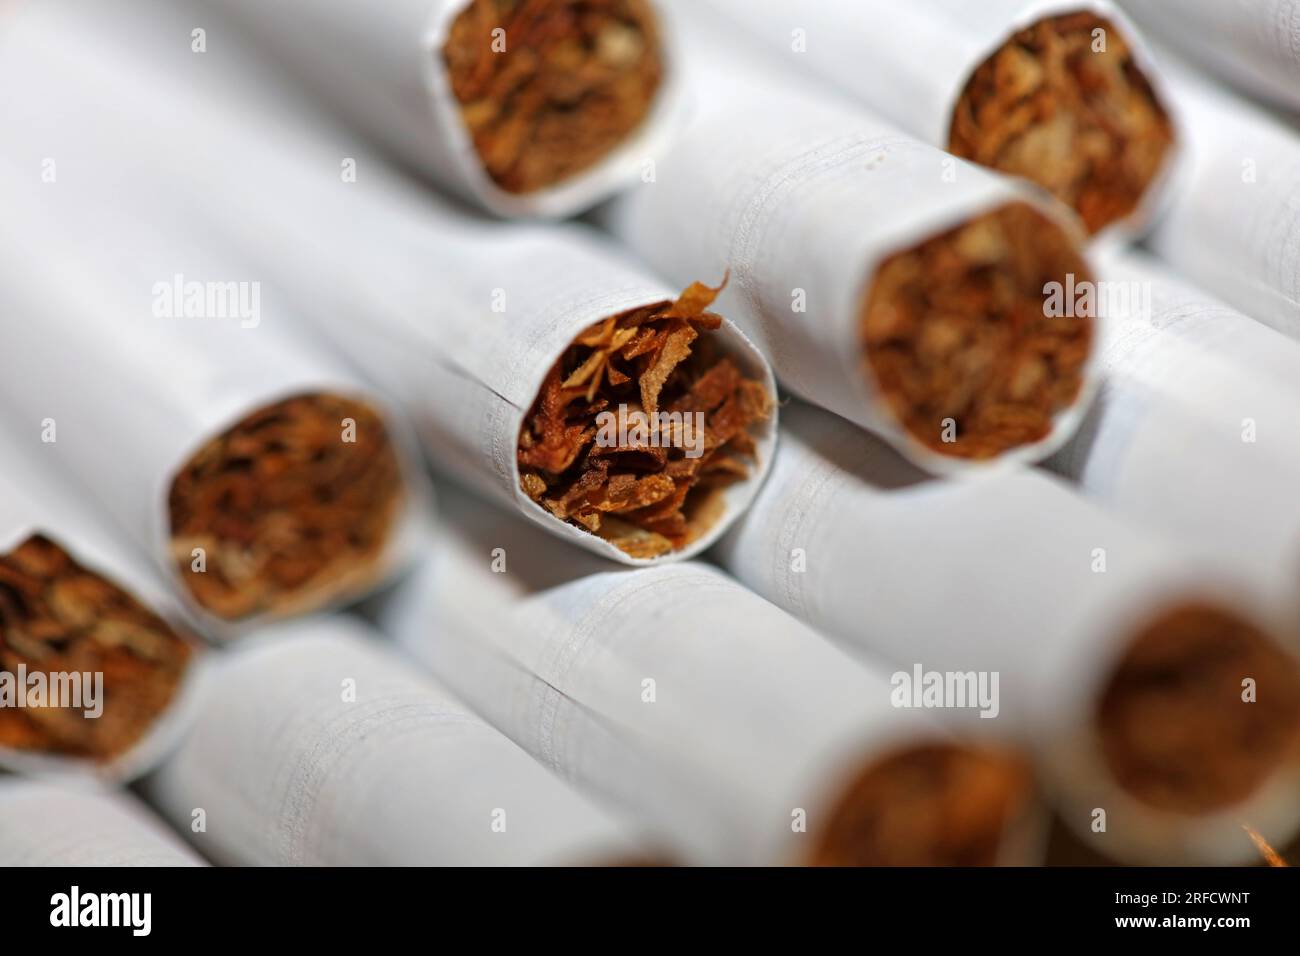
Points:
[[1057, 91], [1119, 659], [315, 746], [526, 108]]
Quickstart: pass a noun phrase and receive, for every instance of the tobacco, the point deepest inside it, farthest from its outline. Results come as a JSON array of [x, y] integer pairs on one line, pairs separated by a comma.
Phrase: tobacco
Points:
[[288, 514], [1174, 728], [56, 616], [1084, 124], [575, 78], [645, 499], [927, 805], [956, 329]]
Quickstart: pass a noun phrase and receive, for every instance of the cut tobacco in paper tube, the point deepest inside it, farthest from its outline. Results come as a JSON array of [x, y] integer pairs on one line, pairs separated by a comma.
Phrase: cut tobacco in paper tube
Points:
[[1201, 399], [252, 466], [519, 352], [524, 107], [96, 670], [1152, 687], [901, 288], [398, 773], [1060, 92], [47, 824], [733, 733]]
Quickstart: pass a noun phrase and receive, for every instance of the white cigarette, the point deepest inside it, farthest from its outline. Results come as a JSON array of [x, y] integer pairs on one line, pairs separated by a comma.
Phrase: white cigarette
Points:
[[1253, 44], [891, 283], [315, 746], [1232, 224], [96, 665], [46, 825], [732, 732], [537, 109], [520, 352], [1119, 661], [1057, 91], [143, 357], [1193, 432]]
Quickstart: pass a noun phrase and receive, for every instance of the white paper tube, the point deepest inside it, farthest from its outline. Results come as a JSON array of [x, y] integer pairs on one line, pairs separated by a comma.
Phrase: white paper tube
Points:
[[1013, 576], [1194, 432], [118, 635], [732, 731], [459, 319], [137, 338], [1253, 43], [1233, 225], [912, 63], [316, 746], [396, 84], [45, 825], [806, 201]]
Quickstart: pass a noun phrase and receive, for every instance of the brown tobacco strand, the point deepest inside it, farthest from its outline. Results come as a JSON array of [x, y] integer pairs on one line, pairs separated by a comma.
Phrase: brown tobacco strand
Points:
[[56, 617], [956, 328], [645, 500], [929, 805], [1174, 728], [288, 513], [575, 78], [1085, 125]]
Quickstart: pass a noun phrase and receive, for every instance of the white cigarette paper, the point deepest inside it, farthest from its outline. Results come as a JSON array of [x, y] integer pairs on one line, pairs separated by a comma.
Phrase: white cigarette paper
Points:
[[1013, 579], [383, 66], [316, 746], [460, 320], [1252, 43], [45, 519], [912, 61], [732, 731], [1194, 431], [42, 824], [138, 339], [803, 199], [1234, 222]]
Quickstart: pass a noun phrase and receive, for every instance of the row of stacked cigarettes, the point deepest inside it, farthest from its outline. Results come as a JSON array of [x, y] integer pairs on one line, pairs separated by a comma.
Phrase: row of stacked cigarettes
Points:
[[844, 489]]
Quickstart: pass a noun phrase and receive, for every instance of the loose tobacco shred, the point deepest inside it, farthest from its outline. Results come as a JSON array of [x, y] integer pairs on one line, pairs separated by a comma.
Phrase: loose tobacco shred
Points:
[[1175, 729], [647, 497], [575, 77], [58, 618], [930, 805], [1080, 120], [957, 329], [291, 507]]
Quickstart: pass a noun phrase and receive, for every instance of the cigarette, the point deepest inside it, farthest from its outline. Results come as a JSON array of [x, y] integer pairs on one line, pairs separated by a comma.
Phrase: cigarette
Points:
[[572, 82], [538, 108], [59, 618], [645, 493], [371, 763], [48, 824], [887, 281], [1250, 45], [1155, 689], [730, 732], [1060, 93], [287, 514], [96, 665], [252, 464]]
